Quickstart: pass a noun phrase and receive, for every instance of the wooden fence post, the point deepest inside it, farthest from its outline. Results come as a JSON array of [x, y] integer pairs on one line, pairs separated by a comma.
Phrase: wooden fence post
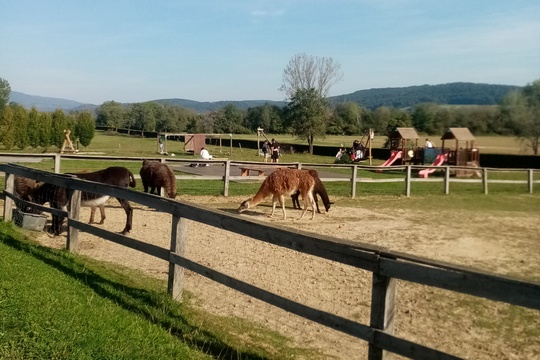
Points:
[[72, 240], [485, 180], [176, 272], [408, 181], [226, 178], [353, 181], [8, 203], [57, 159], [447, 180], [383, 295], [531, 180]]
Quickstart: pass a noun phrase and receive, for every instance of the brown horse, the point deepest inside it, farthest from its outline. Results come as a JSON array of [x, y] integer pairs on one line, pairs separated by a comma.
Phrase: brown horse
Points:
[[57, 196]]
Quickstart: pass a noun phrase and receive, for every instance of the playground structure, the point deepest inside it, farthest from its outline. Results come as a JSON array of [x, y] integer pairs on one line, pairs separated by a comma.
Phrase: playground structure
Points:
[[192, 142], [68, 145], [403, 144], [360, 151], [260, 135], [465, 152], [466, 155]]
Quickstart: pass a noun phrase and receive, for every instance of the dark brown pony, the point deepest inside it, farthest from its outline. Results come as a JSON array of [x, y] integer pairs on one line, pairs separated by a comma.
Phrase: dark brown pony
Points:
[[57, 196], [156, 175], [318, 189], [24, 188]]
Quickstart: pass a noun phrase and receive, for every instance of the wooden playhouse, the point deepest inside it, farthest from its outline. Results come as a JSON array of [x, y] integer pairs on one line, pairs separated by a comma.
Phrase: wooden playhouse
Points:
[[464, 152]]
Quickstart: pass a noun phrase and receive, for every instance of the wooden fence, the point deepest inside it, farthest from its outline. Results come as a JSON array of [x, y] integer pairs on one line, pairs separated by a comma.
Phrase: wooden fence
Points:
[[386, 266], [407, 171]]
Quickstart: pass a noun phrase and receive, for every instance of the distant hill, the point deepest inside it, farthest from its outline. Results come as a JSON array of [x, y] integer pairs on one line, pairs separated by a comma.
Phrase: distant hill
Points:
[[460, 93]]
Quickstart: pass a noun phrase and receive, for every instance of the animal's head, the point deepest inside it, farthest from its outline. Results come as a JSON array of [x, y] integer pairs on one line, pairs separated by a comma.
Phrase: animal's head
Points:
[[244, 206], [172, 194], [327, 206]]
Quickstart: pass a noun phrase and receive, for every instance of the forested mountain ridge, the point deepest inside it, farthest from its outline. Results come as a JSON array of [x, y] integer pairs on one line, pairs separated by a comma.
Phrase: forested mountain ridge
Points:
[[459, 93]]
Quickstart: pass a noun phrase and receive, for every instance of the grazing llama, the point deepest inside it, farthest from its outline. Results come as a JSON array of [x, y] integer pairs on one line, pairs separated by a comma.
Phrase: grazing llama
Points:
[[156, 175], [57, 196], [280, 183], [319, 189]]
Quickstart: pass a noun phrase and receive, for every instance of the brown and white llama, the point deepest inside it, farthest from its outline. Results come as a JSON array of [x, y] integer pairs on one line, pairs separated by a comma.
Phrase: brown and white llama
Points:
[[284, 182], [156, 175], [319, 189]]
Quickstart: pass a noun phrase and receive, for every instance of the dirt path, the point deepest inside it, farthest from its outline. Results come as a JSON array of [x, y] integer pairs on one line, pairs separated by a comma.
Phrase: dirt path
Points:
[[441, 319]]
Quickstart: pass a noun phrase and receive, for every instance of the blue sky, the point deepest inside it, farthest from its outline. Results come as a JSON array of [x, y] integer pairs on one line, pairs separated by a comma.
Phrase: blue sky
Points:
[[134, 51]]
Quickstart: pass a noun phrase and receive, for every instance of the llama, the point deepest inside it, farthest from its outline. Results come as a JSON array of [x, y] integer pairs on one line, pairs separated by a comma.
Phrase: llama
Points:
[[319, 189], [280, 183], [58, 198], [156, 175]]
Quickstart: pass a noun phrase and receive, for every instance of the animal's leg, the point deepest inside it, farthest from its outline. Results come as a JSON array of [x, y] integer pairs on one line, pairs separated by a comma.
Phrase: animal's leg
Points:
[[92, 213], [316, 202], [274, 201], [282, 203], [308, 200], [129, 215], [102, 212]]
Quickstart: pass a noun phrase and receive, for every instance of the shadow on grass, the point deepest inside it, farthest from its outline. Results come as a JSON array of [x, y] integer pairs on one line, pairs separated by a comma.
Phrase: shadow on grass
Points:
[[153, 307]]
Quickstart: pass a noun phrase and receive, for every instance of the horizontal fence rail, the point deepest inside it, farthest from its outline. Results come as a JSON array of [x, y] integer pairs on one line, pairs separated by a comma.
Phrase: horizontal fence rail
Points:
[[386, 266]]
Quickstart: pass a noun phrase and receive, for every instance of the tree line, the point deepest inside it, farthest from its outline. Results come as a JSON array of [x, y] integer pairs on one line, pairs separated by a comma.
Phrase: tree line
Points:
[[308, 114]]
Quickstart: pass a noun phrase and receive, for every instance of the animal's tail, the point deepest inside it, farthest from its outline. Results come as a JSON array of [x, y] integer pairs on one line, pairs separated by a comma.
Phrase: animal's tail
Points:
[[132, 182]]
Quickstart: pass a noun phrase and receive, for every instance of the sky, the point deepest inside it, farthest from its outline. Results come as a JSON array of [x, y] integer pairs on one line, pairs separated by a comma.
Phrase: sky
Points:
[[213, 50]]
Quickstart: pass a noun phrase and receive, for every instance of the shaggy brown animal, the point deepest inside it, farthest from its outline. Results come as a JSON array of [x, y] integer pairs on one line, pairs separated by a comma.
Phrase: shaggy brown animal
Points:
[[319, 189], [280, 183], [24, 188], [156, 175], [57, 196]]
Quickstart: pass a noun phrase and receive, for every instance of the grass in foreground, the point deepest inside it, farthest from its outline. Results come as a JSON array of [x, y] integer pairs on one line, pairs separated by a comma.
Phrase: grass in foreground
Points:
[[56, 305]]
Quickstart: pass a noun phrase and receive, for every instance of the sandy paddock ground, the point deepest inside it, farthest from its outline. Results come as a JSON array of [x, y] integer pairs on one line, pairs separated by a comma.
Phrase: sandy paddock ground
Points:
[[505, 243]]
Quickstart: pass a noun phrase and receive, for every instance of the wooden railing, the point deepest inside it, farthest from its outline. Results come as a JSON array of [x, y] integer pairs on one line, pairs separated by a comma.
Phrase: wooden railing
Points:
[[481, 174], [386, 266]]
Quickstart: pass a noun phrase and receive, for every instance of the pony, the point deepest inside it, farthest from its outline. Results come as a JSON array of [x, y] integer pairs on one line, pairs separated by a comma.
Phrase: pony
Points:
[[24, 188], [318, 189], [156, 175], [58, 197]]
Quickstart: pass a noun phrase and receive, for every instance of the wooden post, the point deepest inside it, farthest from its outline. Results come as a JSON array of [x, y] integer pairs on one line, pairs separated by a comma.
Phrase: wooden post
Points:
[[72, 241], [531, 180], [8, 203], [485, 180], [383, 296], [57, 158], [176, 272], [408, 181], [226, 178], [447, 180], [353, 181]]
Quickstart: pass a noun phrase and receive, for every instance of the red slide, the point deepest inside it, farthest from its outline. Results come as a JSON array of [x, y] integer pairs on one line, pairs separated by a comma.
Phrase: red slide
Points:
[[441, 158], [393, 157]]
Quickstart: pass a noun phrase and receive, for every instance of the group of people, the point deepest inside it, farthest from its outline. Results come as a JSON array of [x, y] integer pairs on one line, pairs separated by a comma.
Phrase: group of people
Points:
[[271, 149]]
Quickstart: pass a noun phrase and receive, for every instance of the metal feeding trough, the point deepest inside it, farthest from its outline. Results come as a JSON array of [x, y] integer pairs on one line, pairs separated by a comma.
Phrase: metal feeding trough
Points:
[[29, 221]]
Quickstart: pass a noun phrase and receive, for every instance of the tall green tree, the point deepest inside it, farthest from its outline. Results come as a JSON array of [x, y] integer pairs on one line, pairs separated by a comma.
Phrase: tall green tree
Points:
[[7, 129], [523, 110], [307, 111], [33, 128], [112, 115], [59, 124], [85, 128], [20, 126], [5, 91]]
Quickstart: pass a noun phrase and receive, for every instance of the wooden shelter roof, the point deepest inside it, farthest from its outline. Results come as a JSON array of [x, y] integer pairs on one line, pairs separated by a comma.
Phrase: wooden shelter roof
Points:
[[405, 133], [460, 134]]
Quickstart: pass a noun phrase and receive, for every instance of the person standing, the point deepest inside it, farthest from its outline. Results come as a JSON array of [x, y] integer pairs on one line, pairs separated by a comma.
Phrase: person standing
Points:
[[429, 144], [274, 147], [265, 149]]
